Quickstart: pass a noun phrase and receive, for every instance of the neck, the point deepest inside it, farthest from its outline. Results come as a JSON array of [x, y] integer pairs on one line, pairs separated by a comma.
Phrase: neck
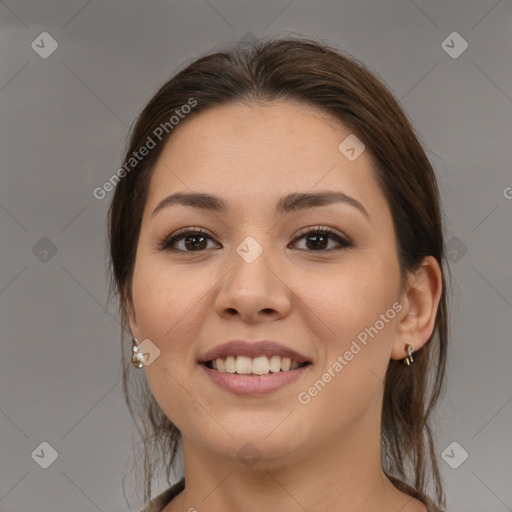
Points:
[[342, 473]]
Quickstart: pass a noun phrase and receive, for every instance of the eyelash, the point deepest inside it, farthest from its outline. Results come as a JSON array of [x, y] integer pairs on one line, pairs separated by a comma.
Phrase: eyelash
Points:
[[167, 243]]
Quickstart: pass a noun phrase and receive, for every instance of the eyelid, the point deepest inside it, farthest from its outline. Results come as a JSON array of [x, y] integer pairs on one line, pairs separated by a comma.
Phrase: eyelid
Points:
[[344, 242], [165, 243], [325, 229]]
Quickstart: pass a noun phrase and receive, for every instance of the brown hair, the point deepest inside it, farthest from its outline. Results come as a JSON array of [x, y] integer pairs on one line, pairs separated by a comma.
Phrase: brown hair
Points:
[[321, 76]]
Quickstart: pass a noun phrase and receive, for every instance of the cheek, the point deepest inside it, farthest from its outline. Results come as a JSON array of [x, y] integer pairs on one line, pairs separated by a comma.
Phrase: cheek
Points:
[[166, 299], [356, 348], [349, 298], [359, 305], [167, 308]]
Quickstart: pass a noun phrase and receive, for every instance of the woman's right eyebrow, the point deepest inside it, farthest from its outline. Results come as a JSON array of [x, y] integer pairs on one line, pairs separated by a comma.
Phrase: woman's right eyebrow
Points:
[[195, 200], [291, 202]]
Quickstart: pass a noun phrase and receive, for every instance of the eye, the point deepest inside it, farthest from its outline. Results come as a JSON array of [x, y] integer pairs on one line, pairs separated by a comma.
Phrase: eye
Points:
[[196, 240], [318, 238]]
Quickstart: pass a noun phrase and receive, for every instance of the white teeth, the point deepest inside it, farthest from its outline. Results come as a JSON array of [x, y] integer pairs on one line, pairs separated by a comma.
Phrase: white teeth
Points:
[[243, 365], [286, 363], [230, 364], [261, 365], [275, 364]]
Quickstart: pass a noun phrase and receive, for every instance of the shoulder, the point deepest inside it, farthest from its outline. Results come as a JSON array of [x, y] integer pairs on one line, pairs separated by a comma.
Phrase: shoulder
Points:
[[158, 503]]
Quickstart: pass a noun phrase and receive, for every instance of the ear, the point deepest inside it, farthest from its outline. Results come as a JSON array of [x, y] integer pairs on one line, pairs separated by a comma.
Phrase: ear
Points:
[[420, 301]]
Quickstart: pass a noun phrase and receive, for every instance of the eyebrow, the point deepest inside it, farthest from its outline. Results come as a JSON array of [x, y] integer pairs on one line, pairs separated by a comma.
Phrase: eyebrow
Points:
[[291, 202]]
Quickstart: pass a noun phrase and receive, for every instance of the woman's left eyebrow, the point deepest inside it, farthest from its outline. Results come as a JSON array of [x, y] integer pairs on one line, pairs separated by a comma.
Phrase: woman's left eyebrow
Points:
[[291, 202], [304, 200]]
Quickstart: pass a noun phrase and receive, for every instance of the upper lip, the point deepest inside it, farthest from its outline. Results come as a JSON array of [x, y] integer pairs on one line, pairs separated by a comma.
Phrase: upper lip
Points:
[[252, 349]]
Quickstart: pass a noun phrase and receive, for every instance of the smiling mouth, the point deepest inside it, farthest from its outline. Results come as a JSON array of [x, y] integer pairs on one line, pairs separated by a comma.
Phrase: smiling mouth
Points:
[[254, 366]]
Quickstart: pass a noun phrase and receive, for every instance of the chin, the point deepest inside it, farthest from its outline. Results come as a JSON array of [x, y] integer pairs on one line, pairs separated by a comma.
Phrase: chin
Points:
[[264, 440]]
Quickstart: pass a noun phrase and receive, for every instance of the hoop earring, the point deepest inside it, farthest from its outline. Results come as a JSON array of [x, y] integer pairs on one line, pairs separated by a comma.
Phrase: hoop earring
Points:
[[137, 356], [410, 351]]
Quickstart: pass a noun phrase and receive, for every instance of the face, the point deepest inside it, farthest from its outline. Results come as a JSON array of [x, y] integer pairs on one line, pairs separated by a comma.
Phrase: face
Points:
[[317, 277]]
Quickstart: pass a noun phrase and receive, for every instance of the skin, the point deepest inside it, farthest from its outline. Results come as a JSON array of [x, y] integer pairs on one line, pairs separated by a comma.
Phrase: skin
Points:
[[324, 455]]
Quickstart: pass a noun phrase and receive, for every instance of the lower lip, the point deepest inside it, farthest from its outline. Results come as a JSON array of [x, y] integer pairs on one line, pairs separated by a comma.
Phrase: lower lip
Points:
[[254, 385]]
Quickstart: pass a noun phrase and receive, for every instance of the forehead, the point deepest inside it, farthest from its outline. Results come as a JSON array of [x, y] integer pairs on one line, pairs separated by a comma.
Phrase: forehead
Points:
[[266, 131], [260, 151]]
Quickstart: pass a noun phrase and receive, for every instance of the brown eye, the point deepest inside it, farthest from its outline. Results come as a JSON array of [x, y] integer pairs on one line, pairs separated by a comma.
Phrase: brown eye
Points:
[[317, 240], [193, 241]]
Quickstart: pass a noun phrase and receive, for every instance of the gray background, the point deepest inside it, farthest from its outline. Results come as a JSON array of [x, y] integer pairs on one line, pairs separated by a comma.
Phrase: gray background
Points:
[[63, 124]]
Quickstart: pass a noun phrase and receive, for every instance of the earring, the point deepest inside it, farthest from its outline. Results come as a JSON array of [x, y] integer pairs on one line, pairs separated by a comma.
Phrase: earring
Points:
[[410, 351], [137, 356]]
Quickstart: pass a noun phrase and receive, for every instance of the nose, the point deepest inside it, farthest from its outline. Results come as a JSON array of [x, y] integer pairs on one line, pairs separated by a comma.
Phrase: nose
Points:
[[253, 291]]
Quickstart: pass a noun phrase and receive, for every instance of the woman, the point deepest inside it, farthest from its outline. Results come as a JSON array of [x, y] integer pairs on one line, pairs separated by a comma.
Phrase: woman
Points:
[[277, 247]]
